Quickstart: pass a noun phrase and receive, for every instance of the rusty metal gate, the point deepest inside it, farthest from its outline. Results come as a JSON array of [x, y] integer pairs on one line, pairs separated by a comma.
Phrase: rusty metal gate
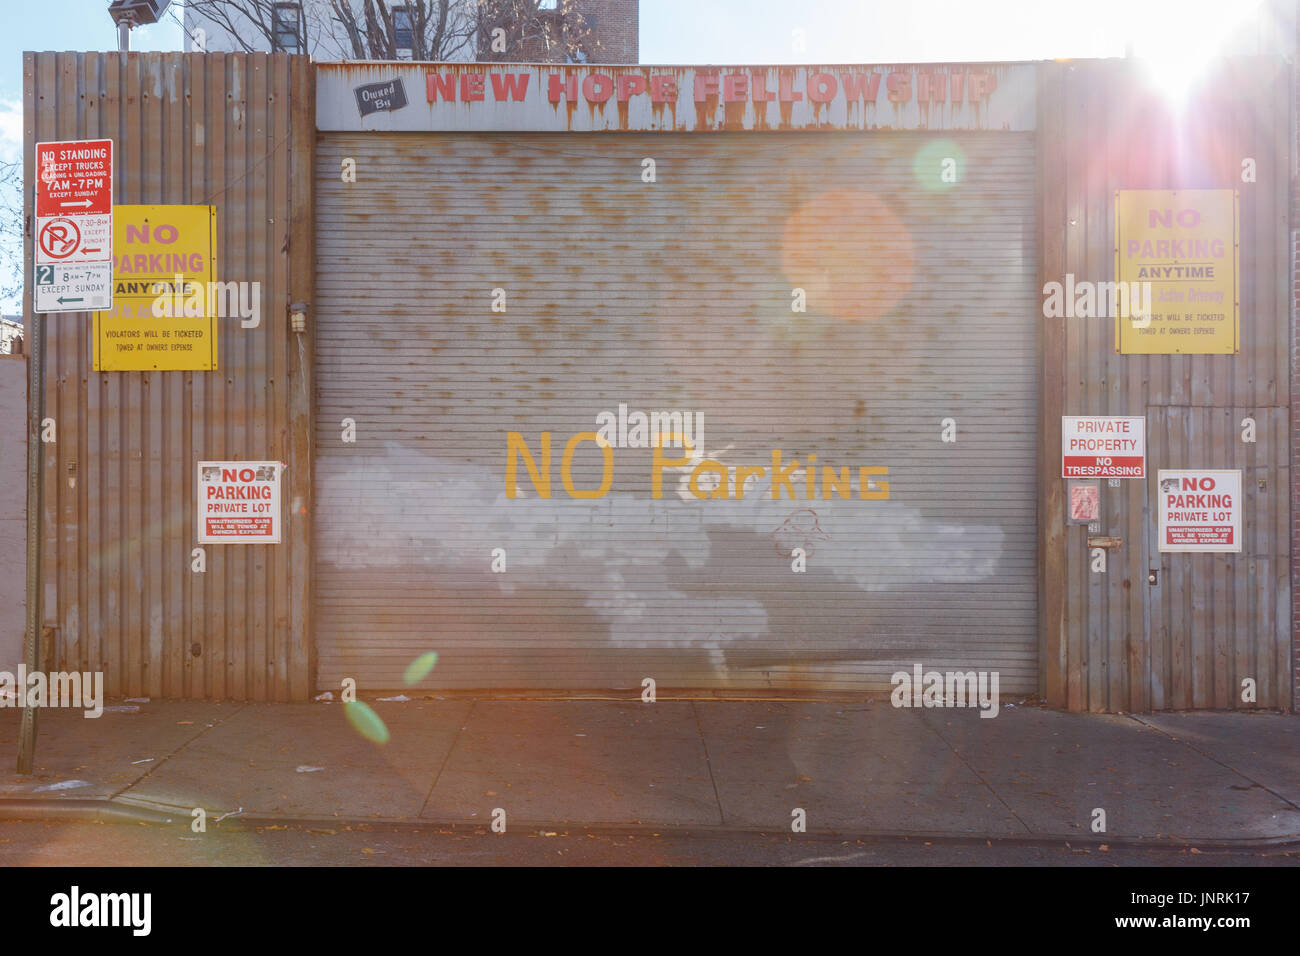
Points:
[[1213, 620], [471, 286]]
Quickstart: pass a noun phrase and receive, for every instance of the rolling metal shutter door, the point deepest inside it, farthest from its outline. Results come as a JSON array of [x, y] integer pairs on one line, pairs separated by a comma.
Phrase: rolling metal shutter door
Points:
[[675, 295]]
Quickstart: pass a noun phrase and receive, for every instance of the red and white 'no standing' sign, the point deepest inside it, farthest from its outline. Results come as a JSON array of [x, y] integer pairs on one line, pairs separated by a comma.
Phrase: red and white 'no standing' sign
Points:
[[74, 226]]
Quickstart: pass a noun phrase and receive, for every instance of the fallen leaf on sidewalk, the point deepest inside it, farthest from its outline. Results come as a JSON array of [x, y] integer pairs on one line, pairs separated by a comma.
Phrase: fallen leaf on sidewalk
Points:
[[184, 721]]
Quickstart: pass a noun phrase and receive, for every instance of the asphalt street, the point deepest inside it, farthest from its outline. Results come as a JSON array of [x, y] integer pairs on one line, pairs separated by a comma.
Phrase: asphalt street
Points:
[[90, 845]]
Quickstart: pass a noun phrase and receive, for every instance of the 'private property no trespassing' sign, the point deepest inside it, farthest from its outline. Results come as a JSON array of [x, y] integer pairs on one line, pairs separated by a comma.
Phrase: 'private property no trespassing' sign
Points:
[[1097, 447]]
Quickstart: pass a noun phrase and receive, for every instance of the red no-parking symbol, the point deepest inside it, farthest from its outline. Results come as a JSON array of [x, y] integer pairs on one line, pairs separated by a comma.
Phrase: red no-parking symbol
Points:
[[60, 238]]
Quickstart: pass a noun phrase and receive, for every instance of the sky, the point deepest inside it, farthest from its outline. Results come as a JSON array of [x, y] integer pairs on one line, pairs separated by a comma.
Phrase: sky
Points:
[[59, 25], [1170, 32]]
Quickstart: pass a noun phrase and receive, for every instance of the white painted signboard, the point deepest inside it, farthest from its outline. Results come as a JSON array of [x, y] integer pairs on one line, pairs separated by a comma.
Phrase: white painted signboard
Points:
[[432, 97]]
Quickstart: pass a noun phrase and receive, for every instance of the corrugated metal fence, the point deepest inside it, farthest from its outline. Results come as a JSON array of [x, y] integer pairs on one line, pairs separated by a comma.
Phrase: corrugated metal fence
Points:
[[1113, 641], [235, 131]]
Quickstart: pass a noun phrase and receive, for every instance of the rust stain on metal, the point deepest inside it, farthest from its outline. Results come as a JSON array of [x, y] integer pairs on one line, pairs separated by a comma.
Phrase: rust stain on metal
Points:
[[760, 109], [707, 111], [733, 116], [785, 76]]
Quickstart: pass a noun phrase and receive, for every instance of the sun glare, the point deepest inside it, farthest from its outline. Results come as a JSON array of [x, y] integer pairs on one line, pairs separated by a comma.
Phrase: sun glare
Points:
[[1176, 41]]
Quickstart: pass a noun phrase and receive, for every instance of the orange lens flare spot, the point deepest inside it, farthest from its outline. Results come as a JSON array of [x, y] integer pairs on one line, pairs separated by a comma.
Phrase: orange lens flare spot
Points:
[[863, 285]]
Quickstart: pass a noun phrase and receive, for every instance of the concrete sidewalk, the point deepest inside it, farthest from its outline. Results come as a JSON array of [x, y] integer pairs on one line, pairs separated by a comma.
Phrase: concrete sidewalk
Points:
[[861, 768]]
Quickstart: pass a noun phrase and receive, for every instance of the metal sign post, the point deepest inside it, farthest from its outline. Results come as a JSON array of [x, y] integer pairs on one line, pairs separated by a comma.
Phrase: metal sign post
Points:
[[35, 508], [71, 252]]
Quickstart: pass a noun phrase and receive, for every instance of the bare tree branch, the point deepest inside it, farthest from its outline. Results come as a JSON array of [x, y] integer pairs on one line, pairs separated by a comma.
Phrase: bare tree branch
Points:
[[247, 22], [532, 32], [11, 232], [440, 29]]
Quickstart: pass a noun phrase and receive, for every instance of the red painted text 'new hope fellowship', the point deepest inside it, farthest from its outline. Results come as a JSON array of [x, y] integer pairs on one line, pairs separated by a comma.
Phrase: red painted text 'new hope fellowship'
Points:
[[736, 87]]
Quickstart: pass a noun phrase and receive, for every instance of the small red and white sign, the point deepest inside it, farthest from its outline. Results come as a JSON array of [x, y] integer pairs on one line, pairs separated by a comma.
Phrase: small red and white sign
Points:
[[1085, 503], [74, 226], [239, 502], [1100, 447], [1200, 510]]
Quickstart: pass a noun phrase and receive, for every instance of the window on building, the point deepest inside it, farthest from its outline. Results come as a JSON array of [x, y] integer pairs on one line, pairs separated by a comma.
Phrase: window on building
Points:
[[547, 4], [286, 28], [402, 31]]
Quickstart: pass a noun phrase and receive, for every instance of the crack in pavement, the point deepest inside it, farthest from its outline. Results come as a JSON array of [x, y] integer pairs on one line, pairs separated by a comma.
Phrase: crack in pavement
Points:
[[158, 763], [1211, 757], [978, 776]]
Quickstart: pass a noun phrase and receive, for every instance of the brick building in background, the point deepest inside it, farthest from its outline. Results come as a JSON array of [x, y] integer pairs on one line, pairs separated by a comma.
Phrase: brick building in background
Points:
[[585, 31]]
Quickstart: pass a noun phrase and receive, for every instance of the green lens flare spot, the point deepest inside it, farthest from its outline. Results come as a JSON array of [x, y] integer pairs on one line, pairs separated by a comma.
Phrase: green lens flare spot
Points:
[[939, 165], [366, 722], [419, 668]]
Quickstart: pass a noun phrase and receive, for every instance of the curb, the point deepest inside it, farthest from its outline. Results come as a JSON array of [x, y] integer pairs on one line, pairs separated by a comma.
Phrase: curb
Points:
[[82, 811], [139, 812]]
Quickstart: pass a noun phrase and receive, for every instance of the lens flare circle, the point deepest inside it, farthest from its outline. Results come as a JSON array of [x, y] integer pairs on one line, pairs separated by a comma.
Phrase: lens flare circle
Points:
[[419, 668], [851, 253], [366, 722]]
